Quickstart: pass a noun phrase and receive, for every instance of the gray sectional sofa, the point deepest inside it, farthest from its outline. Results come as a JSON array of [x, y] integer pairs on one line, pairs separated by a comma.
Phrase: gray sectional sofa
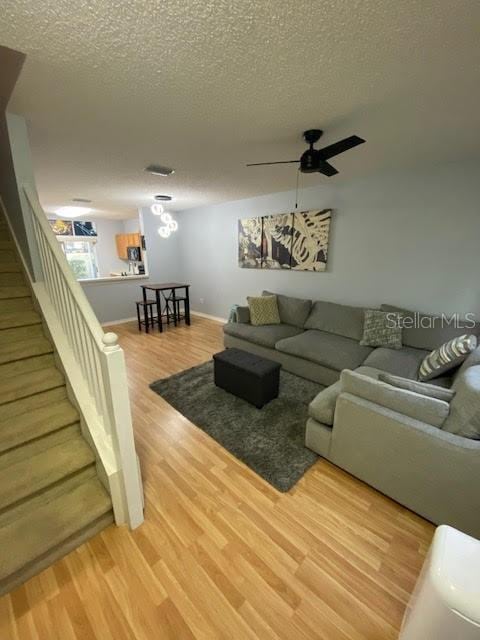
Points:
[[409, 446]]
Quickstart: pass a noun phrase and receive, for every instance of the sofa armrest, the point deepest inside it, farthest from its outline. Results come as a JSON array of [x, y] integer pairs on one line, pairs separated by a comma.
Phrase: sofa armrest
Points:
[[414, 405], [239, 314], [243, 314], [431, 471]]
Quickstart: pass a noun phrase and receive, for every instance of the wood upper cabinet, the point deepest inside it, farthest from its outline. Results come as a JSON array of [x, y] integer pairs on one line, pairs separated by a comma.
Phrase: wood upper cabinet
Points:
[[124, 240]]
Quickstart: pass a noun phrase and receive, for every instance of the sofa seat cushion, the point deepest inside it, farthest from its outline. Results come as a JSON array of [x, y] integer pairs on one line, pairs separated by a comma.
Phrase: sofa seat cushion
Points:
[[322, 407], [400, 362], [327, 349], [266, 335]]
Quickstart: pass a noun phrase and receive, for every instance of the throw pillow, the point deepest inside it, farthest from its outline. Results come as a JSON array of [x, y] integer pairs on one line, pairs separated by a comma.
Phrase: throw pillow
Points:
[[424, 389], [263, 310], [448, 356], [380, 331]]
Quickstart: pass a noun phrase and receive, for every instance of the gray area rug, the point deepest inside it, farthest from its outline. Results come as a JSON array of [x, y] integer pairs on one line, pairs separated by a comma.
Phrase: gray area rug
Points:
[[269, 440]]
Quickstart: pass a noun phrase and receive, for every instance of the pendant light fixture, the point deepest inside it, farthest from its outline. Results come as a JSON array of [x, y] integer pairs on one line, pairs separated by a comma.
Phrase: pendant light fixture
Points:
[[169, 225]]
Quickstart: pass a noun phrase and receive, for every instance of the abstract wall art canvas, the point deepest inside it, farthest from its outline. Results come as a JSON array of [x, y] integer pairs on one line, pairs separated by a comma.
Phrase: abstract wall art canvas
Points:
[[250, 243], [81, 228], [62, 227], [311, 230], [277, 241], [297, 241]]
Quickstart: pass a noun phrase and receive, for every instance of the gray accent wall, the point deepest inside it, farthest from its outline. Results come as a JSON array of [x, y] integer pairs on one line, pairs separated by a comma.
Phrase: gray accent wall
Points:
[[408, 238]]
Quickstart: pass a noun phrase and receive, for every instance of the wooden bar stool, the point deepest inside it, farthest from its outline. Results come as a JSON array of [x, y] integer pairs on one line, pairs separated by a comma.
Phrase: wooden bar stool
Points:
[[175, 303], [149, 318]]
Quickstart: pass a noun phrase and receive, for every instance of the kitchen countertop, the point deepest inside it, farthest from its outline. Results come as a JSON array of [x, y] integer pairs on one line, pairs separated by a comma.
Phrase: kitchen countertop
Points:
[[113, 279]]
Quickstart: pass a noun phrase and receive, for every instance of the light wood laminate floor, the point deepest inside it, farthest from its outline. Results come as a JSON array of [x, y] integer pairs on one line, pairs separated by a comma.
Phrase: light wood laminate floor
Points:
[[221, 553]]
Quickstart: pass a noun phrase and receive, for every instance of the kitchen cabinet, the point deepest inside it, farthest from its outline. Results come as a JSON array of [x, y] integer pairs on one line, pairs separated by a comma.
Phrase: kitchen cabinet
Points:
[[124, 240]]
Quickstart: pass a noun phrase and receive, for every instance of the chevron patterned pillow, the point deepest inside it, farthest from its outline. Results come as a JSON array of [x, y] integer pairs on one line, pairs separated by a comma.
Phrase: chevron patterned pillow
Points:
[[446, 357], [263, 310]]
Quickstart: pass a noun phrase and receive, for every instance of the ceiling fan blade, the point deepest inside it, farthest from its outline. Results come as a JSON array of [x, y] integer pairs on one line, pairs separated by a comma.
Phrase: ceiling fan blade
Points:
[[327, 169], [339, 147], [258, 164]]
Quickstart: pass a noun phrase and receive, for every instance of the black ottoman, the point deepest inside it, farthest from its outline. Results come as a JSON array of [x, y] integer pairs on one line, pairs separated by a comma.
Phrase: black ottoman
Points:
[[247, 376]]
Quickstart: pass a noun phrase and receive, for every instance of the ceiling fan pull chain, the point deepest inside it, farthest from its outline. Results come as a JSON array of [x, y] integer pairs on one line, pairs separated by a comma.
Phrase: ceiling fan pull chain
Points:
[[296, 190]]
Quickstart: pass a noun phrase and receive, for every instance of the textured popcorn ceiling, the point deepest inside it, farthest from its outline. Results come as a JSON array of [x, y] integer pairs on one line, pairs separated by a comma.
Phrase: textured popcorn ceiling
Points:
[[206, 86]]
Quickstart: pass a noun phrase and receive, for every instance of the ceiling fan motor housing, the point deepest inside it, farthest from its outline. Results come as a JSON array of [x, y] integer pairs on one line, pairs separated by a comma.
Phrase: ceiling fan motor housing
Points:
[[309, 161]]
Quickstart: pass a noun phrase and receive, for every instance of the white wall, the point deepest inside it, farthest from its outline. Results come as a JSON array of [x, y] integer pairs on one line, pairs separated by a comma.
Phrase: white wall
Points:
[[132, 225], [106, 248], [410, 238]]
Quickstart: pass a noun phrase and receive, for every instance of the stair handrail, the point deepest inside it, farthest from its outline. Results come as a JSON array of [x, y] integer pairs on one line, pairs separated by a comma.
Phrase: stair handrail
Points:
[[67, 273], [100, 361]]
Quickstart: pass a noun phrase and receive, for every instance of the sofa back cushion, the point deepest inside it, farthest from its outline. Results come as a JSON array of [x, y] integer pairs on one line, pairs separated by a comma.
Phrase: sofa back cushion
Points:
[[339, 319], [427, 332], [423, 388], [464, 417], [472, 360], [293, 311]]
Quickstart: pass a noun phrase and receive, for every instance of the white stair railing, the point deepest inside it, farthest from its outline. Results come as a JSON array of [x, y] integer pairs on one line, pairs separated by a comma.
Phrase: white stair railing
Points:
[[98, 376]]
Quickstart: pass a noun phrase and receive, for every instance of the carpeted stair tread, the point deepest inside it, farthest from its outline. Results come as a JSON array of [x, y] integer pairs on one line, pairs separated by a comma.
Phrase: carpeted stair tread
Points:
[[29, 383], [29, 476], [19, 334], [25, 427], [54, 524], [47, 495], [8, 255], [11, 276], [36, 346], [19, 319], [10, 267], [17, 291], [27, 365], [33, 403], [15, 305], [38, 445]]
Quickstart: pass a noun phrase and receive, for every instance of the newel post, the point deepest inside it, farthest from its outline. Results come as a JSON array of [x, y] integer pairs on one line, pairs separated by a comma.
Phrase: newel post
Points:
[[122, 428]]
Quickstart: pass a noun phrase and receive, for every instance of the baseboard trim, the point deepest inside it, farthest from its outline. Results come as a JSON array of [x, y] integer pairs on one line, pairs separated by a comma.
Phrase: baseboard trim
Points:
[[208, 317], [104, 324], [193, 313]]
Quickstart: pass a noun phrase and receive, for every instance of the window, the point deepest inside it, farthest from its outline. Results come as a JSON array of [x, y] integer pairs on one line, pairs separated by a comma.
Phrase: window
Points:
[[81, 257]]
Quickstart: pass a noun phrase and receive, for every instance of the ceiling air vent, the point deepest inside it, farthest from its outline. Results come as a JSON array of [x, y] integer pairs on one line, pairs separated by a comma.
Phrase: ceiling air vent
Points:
[[158, 170]]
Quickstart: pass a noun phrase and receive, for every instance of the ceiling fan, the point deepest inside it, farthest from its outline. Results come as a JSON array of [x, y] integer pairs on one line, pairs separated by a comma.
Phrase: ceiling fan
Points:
[[315, 160]]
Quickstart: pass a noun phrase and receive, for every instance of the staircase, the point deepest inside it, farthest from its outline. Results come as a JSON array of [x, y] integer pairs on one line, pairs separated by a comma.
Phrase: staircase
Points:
[[51, 499]]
